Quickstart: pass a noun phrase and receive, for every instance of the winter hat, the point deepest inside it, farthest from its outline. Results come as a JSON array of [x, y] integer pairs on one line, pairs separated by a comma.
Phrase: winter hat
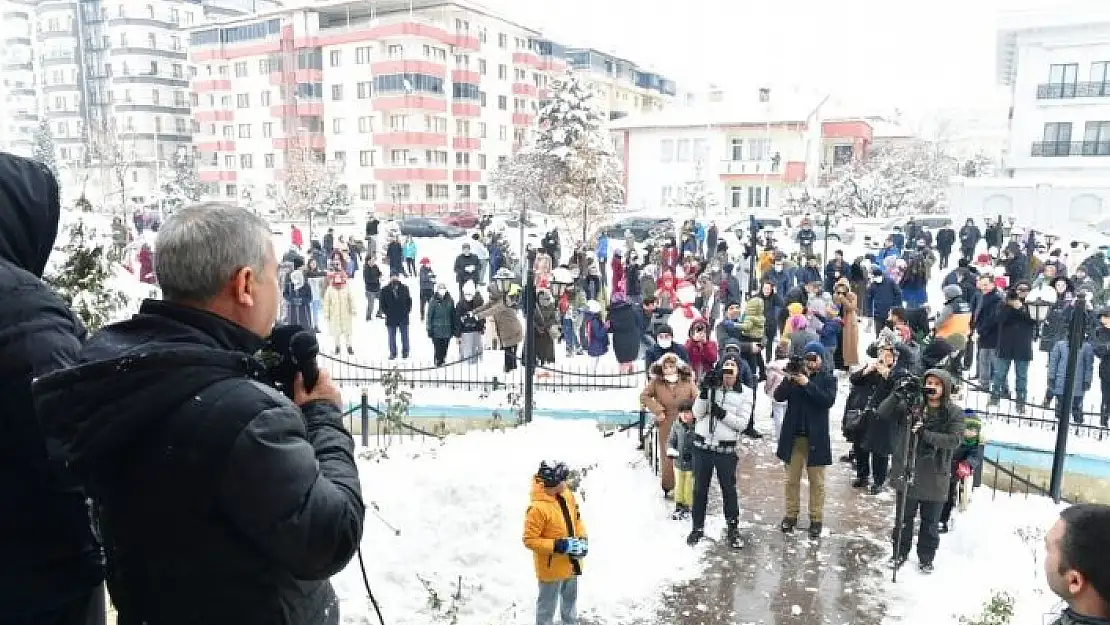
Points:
[[664, 329], [795, 309], [951, 292], [728, 267], [814, 348], [425, 261], [983, 259], [963, 262], [876, 272]]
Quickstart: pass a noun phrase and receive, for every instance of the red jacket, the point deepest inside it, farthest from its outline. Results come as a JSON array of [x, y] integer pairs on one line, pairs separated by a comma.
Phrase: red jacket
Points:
[[703, 355], [146, 265], [296, 238]]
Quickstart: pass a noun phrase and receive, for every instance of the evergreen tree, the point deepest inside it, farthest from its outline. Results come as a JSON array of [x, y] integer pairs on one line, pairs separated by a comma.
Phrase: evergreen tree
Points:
[[44, 147], [183, 185], [83, 280]]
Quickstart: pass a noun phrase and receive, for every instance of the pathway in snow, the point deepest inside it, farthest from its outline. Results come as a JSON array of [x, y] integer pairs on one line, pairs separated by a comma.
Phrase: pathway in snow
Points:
[[791, 579]]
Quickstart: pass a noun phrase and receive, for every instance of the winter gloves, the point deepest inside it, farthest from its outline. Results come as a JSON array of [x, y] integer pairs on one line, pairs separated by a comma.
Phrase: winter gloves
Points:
[[573, 547]]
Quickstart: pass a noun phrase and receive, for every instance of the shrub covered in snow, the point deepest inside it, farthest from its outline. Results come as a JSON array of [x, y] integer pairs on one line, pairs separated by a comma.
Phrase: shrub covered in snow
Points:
[[83, 278]]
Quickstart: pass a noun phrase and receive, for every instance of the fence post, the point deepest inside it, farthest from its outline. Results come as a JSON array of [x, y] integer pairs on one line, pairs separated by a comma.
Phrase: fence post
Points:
[[1077, 329], [365, 418]]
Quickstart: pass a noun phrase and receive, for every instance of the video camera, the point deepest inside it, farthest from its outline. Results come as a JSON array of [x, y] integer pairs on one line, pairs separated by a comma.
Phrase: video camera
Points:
[[290, 350], [794, 366], [910, 390]]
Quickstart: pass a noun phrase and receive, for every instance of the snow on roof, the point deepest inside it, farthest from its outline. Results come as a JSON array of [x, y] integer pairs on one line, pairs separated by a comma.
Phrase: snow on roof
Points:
[[718, 114], [1083, 14], [882, 129]]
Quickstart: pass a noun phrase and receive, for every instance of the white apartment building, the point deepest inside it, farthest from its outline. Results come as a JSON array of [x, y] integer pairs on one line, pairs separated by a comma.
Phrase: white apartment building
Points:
[[623, 88], [19, 111], [114, 88], [411, 104], [1057, 66]]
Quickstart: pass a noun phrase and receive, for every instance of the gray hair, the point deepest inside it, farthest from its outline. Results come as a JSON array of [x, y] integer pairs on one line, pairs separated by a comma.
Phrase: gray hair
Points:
[[201, 247]]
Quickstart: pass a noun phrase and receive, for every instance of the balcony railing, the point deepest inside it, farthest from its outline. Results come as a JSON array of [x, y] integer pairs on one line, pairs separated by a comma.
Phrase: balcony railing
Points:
[[1065, 91], [766, 166], [1071, 148]]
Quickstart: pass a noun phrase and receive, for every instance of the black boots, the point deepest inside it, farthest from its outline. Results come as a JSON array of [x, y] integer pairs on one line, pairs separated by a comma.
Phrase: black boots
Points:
[[860, 482], [733, 535], [788, 524], [815, 528], [695, 535], [681, 512]]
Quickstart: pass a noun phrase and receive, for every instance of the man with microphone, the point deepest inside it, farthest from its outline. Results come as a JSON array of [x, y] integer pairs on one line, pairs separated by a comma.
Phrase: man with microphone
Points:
[[219, 500]]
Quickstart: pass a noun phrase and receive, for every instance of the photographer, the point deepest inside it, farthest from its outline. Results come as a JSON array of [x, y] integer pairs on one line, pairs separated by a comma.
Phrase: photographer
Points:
[[219, 500], [928, 429], [809, 390], [720, 410], [871, 438]]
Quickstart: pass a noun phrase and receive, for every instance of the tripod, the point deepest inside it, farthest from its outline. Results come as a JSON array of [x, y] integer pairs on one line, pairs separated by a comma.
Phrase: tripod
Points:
[[909, 464]]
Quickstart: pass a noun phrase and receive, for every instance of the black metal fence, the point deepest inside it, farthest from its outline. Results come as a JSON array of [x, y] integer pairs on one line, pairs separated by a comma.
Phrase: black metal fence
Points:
[[1035, 415], [376, 425], [1011, 482], [476, 375]]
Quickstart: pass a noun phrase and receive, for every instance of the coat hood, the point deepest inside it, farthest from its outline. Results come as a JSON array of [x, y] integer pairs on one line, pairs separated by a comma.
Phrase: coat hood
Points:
[[754, 306], [30, 207], [684, 371], [945, 378]]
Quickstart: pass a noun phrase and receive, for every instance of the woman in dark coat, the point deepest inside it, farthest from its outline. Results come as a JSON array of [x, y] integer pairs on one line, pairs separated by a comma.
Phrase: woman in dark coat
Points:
[[626, 334], [873, 442], [298, 297], [772, 308], [547, 320]]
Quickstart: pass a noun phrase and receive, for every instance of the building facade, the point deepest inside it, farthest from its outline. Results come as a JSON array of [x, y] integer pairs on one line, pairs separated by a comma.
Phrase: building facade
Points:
[[623, 88], [19, 111]]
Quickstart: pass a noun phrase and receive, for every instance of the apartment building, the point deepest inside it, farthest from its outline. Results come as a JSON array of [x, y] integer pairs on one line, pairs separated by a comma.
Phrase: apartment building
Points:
[[624, 88], [18, 103], [748, 155], [114, 87]]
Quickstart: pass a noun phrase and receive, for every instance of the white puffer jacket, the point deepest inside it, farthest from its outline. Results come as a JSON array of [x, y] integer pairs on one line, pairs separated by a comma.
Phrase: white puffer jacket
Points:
[[713, 433]]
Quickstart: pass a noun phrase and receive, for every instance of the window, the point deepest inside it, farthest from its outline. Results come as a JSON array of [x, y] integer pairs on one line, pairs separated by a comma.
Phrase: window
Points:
[[229, 132], [395, 51], [365, 124], [337, 126], [398, 157], [758, 197], [241, 69], [246, 161], [263, 67], [366, 158], [482, 67], [398, 123], [362, 55], [502, 103], [409, 83], [502, 72], [462, 191], [244, 131], [1061, 80], [759, 149], [364, 90], [176, 71], [243, 100], [1100, 79], [683, 151], [1096, 139], [158, 126], [151, 41], [481, 130], [265, 98], [367, 192], [481, 161], [229, 161], [336, 92], [155, 99], [503, 132], [462, 159], [268, 161], [736, 194], [666, 150], [335, 57], [267, 130], [229, 190], [483, 193], [339, 157], [1057, 139], [502, 40], [123, 40]]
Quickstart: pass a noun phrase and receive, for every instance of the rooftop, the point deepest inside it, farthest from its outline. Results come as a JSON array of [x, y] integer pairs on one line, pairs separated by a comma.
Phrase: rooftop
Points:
[[1077, 14]]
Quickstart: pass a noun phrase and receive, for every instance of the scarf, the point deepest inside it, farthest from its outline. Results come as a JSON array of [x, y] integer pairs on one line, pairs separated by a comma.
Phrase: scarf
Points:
[[337, 279]]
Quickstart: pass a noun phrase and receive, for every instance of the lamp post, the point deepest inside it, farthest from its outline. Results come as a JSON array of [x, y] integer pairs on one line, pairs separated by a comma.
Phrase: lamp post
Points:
[[825, 254], [1039, 307], [753, 241], [1077, 328]]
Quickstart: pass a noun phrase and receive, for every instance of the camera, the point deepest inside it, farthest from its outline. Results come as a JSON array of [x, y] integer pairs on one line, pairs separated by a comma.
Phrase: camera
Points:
[[288, 351], [794, 366], [909, 389], [713, 378]]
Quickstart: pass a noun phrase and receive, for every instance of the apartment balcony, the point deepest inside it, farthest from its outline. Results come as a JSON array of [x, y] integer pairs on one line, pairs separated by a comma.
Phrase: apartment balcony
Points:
[[410, 174], [529, 59], [224, 145], [217, 176], [551, 64], [422, 139], [465, 75], [17, 41], [466, 143], [465, 109], [18, 67], [466, 42], [280, 77], [757, 167], [523, 119], [204, 86], [313, 142], [214, 116], [300, 109], [1067, 91], [405, 66], [466, 175], [525, 88], [436, 104], [1070, 148]]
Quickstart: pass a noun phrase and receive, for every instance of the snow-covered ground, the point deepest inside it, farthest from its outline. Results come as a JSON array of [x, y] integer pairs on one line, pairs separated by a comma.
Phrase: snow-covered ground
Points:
[[458, 508]]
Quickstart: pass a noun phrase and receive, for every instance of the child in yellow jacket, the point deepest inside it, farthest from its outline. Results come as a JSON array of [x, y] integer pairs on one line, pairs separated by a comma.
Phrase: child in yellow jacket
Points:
[[554, 531]]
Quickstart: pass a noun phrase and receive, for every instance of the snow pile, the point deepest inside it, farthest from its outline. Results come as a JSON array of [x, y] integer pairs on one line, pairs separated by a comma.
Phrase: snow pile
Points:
[[997, 545], [460, 510]]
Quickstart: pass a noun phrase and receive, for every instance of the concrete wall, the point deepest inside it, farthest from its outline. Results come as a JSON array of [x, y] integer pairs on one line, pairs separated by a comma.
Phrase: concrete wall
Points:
[[1060, 207]]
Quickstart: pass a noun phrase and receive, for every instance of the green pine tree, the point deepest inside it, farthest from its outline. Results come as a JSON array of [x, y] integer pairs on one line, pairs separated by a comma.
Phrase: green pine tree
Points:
[[83, 279]]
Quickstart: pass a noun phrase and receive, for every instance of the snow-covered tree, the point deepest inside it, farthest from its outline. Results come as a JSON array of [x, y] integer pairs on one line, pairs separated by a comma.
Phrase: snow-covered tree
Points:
[[890, 181], [569, 170], [308, 187], [694, 196], [182, 186], [83, 276], [44, 147], [115, 156]]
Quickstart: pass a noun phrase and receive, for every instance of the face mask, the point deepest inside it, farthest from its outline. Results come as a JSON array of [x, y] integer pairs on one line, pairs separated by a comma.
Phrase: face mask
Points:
[[877, 279], [441, 293], [664, 343], [778, 267], [671, 377], [468, 296]]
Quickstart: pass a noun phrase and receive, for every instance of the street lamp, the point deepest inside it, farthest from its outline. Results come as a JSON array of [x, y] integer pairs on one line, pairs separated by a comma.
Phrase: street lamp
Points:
[[1042, 302], [560, 280], [1077, 331], [504, 278]]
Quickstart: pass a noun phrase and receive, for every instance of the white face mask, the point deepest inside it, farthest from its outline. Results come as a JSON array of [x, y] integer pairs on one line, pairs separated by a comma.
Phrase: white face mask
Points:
[[877, 279], [664, 343], [778, 267], [671, 377], [441, 293], [468, 296]]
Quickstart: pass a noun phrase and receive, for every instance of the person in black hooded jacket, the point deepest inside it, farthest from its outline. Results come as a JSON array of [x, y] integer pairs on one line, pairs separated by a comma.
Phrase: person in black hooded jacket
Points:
[[51, 570], [219, 500]]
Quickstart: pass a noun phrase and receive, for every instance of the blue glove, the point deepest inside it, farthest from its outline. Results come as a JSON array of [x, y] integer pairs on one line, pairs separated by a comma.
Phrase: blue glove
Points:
[[577, 547], [561, 545]]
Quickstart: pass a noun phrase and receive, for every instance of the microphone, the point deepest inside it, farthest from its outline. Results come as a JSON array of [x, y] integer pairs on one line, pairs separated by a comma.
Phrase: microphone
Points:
[[303, 349]]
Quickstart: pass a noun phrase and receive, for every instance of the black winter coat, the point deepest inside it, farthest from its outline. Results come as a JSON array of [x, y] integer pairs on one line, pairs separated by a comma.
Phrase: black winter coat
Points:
[[1016, 330], [219, 500], [464, 310], [984, 319], [626, 331], [1100, 340], [946, 237], [808, 407], [969, 237], [372, 278], [395, 303], [49, 553], [868, 391]]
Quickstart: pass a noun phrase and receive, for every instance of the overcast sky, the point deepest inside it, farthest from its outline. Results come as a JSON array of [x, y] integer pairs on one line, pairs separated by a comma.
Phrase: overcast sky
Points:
[[913, 55]]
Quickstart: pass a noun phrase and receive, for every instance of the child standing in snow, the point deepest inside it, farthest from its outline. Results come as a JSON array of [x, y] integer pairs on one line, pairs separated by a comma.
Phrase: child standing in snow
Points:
[[556, 535], [680, 447], [964, 463], [775, 375]]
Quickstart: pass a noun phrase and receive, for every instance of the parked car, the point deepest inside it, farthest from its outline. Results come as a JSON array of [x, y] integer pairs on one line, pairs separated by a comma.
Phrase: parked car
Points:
[[424, 227], [932, 223], [641, 227], [462, 220]]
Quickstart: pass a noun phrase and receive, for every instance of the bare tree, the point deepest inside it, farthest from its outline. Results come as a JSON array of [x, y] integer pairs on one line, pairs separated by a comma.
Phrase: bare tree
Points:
[[308, 187], [695, 195], [891, 181], [114, 155]]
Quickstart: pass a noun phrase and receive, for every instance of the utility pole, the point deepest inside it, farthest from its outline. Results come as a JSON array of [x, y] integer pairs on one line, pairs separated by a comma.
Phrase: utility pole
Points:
[[1077, 329]]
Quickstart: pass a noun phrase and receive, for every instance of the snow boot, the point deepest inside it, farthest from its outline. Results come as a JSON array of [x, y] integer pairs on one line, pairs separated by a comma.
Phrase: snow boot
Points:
[[680, 513], [942, 527], [733, 535], [815, 528], [788, 524], [860, 482], [695, 535], [925, 567], [896, 562], [876, 489]]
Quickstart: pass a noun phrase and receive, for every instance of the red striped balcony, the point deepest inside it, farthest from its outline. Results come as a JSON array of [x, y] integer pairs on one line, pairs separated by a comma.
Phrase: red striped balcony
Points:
[[214, 115], [523, 119], [551, 64], [464, 109], [418, 102], [526, 58], [217, 176], [466, 175], [423, 139], [385, 68], [204, 86], [465, 75], [315, 142], [524, 88], [223, 145], [466, 43], [466, 143], [235, 51], [543, 93], [299, 109], [410, 174]]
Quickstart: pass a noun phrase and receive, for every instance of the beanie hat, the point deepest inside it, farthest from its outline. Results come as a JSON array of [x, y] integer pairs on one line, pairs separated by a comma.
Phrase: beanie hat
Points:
[[814, 348], [664, 329], [425, 261], [952, 291], [972, 422], [983, 259], [795, 309]]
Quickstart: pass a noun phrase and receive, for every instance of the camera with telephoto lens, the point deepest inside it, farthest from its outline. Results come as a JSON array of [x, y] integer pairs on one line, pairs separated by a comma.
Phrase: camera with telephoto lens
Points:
[[909, 389], [794, 366], [288, 351]]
